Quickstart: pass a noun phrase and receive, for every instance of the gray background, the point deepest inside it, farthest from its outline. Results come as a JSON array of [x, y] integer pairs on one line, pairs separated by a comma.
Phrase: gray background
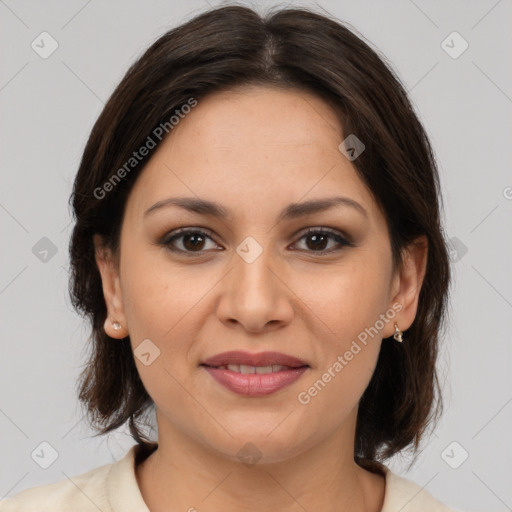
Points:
[[48, 108]]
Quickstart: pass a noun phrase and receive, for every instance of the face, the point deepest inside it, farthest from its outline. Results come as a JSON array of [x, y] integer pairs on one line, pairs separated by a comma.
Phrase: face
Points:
[[317, 284]]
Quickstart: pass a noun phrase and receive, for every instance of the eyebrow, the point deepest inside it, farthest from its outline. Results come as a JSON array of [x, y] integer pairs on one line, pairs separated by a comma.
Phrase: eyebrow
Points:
[[292, 211]]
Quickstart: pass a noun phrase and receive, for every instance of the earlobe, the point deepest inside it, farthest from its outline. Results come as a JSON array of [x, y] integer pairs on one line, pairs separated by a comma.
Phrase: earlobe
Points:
[[409, 281], [115, 323]]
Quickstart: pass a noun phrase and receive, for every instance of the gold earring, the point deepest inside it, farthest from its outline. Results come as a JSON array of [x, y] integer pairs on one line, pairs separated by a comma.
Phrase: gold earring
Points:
[[398, 334]]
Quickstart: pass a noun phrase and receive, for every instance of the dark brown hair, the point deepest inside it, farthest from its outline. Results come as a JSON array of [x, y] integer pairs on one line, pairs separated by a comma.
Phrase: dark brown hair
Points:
[[291, 48]]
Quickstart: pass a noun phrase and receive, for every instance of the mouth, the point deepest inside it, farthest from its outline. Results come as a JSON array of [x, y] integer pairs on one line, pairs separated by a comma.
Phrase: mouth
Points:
[[247, 369], [246, 362], [255, 375]]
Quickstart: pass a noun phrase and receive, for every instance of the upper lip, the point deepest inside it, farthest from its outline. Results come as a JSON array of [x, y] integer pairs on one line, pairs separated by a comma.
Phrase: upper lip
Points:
[[261, 359]]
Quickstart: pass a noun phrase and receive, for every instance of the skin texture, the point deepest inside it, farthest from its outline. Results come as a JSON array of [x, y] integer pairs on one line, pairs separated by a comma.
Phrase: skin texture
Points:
[[255, 150]]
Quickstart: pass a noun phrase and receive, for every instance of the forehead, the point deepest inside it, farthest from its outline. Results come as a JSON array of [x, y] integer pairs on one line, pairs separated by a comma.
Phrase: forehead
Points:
[[260, 120], [252, 146]]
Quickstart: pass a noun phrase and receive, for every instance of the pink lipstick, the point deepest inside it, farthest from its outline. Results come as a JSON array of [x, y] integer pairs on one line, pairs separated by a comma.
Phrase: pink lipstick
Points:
[[254, 374]]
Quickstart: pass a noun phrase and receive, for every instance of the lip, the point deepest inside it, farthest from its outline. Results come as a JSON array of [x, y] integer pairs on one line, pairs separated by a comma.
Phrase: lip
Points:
[[255, 384], [259, 359]]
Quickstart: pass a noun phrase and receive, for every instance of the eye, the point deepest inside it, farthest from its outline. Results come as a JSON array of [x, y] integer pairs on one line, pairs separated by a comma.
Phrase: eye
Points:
[[194, 240], [191, 240], [317, 240]]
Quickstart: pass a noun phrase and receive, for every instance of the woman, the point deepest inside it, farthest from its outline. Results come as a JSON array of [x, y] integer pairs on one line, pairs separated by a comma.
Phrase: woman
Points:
[[259, 250]]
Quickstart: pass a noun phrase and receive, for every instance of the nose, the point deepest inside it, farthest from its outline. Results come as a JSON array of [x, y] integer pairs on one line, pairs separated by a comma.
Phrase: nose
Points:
[[255, 295]]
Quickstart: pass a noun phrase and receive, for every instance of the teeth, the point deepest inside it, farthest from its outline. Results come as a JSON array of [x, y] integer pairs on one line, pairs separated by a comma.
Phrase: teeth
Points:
[[263, 369], [246, 369]]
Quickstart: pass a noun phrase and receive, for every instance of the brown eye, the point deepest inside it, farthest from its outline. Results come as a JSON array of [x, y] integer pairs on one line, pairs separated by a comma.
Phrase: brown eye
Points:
[[317, 240], [188, 241], [193, 241]]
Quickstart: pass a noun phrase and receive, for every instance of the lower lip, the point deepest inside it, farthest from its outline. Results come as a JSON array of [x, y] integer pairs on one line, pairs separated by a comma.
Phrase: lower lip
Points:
[[255, 384]]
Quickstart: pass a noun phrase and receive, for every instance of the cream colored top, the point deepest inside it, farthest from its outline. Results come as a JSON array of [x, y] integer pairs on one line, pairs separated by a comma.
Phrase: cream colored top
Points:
[[113, 488]]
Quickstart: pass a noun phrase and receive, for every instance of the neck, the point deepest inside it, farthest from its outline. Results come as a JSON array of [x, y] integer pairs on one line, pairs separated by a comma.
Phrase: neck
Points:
[[185, 475]]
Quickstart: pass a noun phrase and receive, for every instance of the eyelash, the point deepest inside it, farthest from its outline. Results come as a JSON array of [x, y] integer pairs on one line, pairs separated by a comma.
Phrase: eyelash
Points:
[[169, 238]]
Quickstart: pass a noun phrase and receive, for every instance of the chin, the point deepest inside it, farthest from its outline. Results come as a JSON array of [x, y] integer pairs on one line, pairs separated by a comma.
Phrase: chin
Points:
[[257, 447]]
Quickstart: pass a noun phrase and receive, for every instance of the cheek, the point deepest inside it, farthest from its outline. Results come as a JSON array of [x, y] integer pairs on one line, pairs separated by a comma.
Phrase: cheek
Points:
[[350, 296], [347, 344], [160, 302], [345, 308], [158, 296]]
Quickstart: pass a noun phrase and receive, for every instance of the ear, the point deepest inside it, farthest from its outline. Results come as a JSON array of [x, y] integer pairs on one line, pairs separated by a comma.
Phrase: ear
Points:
[[109, 270], [406, 284]]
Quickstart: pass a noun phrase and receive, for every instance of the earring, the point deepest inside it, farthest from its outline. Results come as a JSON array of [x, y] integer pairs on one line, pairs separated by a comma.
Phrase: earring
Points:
[[116, 325], [398, 334]]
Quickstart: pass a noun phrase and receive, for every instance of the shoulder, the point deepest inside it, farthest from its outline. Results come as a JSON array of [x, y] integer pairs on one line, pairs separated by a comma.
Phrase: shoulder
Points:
[[407, 496], [109, 488], [82, 493]]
